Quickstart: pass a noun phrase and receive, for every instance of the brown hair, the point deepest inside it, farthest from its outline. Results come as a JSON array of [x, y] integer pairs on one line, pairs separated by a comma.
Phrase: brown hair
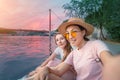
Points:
[[67, 48]]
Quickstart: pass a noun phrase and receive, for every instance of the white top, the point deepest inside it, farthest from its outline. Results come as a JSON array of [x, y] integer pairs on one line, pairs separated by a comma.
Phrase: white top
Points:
[[59, 52]]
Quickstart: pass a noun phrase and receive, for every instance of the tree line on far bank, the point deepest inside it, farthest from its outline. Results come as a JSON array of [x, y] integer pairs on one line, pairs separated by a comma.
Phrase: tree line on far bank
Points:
[[23, 32], [103, 14]]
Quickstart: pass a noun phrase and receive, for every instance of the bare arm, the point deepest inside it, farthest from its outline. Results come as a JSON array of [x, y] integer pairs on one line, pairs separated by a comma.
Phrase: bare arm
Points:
[[60, 69], [105, 57], [111, 69], [48, 59], [43, 64]]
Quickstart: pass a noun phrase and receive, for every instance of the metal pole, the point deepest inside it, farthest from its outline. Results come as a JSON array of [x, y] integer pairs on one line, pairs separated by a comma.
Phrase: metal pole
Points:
[[50, 51]]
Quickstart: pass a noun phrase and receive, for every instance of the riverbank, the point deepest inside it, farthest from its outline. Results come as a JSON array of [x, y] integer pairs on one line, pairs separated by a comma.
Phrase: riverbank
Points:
[[113, 46]]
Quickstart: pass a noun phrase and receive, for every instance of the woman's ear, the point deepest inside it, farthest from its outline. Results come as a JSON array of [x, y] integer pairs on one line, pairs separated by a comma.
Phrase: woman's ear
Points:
[[83, 33]]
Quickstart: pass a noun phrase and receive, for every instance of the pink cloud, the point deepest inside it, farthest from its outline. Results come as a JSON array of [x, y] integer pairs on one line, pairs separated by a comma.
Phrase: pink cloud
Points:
[[42, 23], [30, 14]]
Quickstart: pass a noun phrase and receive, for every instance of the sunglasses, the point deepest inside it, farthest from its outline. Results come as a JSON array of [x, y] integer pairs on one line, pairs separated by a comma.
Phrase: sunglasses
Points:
[[72, 33]]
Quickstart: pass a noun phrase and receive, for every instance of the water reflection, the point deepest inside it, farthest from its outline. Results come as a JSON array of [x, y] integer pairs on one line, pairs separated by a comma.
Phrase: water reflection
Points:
[[21, 54]]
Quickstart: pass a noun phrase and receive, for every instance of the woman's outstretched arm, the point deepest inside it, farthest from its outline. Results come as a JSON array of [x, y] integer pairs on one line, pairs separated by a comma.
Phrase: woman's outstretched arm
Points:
[[111, 66]]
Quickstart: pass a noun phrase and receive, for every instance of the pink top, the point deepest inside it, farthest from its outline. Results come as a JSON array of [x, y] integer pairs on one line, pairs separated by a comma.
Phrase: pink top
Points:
[[86, 60]]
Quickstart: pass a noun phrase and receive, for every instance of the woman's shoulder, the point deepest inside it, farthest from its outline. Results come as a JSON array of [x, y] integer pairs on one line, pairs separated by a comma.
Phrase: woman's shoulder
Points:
[[95, 42], [58, 50], [99, 44]]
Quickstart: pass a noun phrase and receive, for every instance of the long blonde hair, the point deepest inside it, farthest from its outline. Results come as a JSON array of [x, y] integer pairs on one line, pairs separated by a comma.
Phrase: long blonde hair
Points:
[[67, 48]]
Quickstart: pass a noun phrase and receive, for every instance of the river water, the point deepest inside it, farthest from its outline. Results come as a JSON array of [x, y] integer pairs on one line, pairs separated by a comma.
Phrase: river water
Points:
[[21, 54]]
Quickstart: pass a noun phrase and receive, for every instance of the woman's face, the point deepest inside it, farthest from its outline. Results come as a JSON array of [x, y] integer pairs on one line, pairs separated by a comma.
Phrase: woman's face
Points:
[[60, 41], [75, 35]]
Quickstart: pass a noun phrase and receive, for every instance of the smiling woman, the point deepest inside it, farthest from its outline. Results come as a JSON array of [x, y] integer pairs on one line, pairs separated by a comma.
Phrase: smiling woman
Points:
[[57, 57]]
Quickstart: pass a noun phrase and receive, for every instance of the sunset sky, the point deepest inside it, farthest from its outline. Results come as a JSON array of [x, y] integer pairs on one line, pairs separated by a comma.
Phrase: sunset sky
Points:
[[31, 14]]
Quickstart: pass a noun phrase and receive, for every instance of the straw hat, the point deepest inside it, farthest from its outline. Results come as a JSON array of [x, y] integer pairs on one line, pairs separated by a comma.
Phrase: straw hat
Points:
[[78, 21]]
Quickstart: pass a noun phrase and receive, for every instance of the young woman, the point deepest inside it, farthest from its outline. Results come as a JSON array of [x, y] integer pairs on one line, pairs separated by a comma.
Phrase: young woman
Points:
[[63, 51], [91, 59]]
